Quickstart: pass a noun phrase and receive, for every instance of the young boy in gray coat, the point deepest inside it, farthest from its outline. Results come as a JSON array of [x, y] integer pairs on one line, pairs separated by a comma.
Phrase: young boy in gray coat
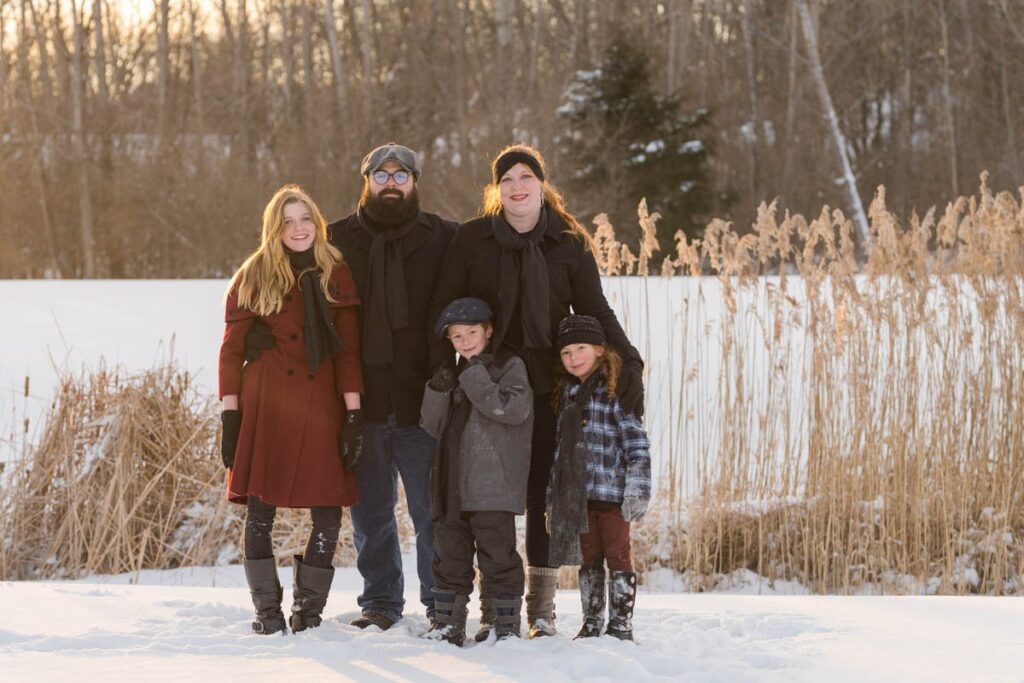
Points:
[[481, 413]]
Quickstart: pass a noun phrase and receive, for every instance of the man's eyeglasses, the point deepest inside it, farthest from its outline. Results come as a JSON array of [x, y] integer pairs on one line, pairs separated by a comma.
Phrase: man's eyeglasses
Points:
[[382, 177]]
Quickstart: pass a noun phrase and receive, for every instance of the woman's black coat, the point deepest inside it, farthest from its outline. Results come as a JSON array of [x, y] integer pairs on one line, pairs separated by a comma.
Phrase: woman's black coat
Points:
[[472, 267]]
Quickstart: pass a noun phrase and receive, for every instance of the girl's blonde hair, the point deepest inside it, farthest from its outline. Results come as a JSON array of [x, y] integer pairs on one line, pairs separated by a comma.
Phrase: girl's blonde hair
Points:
[[610, 362], [266, 276], [491, 205]]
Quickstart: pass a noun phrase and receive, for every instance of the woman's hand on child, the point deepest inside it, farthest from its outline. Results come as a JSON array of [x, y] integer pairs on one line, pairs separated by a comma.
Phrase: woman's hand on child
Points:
[[231, 423], [351, 446], [633, 508], [631, 391]]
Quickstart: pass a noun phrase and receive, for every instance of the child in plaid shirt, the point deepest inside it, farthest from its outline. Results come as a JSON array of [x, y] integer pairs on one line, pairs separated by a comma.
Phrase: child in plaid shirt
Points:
[[601, 479]]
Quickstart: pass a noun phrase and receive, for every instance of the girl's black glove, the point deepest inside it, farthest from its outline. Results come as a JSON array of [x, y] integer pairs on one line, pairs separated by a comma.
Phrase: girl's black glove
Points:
[[258, 339], [631, 391], [351, 445], [231, 424]]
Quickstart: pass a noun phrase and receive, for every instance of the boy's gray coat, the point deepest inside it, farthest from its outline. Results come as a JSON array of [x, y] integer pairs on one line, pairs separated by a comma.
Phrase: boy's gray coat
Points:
[[494, 456]]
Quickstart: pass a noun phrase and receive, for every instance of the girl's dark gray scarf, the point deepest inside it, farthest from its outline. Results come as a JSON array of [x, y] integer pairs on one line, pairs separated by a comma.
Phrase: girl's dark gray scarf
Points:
[[524, 279], [568, 514], [317, 324], [387, 302]]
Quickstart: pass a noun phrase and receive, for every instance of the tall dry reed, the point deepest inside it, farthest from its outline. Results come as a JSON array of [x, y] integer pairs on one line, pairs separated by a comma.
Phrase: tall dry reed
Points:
[[864, 429], [127, 476]]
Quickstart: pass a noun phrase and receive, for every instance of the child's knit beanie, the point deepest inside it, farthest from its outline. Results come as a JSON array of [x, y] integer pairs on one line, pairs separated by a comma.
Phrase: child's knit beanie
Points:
[[580, 329]]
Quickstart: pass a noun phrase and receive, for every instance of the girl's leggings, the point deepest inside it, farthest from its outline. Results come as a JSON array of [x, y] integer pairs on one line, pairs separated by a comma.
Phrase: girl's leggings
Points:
[[259, 525]]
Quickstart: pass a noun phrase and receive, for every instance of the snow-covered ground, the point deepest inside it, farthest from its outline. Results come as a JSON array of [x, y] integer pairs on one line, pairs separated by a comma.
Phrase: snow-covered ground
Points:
[[193, 624]]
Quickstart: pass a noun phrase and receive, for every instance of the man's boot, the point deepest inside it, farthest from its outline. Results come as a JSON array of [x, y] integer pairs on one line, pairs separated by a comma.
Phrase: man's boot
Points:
[[541, 583], [621, 598], [486, 618], [508, 616], [310, 587], [371, 618], [592, 597], [261, 575], [450, 617]]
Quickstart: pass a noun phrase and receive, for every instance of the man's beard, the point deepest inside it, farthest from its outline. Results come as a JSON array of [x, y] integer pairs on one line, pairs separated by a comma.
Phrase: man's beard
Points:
[[390, 209]]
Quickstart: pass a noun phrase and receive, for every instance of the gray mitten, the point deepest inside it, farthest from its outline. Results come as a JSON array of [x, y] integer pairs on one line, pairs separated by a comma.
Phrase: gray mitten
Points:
[[633, 508]]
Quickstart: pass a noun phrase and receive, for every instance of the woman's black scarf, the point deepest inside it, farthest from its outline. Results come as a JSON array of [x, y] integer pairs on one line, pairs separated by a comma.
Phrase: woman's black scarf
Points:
[[387, 303], [569, 477], [318, 324], [524, 278]]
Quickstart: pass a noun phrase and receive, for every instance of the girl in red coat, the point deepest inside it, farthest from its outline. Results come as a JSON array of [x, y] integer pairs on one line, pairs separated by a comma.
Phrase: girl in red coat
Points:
[[291, 417]]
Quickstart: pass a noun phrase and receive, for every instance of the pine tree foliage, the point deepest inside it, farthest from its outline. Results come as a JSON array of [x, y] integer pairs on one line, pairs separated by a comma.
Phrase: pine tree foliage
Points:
[[623, 141]]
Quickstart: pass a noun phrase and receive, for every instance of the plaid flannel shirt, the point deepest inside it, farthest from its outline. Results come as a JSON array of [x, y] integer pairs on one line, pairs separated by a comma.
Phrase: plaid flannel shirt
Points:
[[619, 462]]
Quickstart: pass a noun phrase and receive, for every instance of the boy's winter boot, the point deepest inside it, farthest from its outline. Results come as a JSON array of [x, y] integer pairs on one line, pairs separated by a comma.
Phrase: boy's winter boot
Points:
[[450, 617], [309, 593], [541, 583], [261, 575], [621, 598], [486, 618], [507, 615], [592, 597]]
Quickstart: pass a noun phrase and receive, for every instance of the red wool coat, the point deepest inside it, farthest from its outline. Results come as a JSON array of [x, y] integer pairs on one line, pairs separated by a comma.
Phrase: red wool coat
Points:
[[287, 451]]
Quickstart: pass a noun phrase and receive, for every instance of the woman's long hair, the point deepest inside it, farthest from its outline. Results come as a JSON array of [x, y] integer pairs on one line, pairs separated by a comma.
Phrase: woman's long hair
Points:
[[267, 275], [552, 197], [610, 363]]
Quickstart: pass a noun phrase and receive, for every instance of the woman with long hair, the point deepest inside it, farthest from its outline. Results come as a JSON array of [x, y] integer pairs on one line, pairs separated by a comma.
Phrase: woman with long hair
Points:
[[290, 417], [533, 263]]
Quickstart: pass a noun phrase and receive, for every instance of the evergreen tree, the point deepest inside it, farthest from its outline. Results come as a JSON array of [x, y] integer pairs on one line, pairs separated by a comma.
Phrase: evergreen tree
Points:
[[623, 141]]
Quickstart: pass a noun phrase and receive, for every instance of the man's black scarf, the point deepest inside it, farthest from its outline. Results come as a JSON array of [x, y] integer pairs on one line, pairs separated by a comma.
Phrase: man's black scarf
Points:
[[569, 477], [524, 277], [387, 303], [317, 324]]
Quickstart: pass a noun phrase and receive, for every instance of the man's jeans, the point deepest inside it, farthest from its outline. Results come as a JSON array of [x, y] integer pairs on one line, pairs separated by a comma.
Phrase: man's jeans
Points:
[[389, 451]]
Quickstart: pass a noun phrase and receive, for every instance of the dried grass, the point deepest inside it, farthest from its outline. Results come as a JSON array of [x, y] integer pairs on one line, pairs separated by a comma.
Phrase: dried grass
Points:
[[891, 456], [127, 476]]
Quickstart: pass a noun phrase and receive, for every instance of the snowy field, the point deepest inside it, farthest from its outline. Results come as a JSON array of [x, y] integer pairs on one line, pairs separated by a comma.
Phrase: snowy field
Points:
[[194, 625]]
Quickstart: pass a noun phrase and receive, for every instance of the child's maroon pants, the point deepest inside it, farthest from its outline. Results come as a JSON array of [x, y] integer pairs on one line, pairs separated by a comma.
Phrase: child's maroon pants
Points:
[[607, 538]]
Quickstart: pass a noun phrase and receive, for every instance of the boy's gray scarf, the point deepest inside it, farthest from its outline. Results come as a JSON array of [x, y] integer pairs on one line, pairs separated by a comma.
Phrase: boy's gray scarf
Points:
[[568, 516]]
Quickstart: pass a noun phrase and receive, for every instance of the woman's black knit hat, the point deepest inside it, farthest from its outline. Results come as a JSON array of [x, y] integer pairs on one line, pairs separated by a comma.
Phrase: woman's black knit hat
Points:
[[580, 329], [516, 155]]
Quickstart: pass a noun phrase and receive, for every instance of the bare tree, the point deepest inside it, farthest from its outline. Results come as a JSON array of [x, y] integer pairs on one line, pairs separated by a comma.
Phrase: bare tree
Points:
[[3, 61], [366, 45], [337, 68], [749, 43], [197, 72], [163, 67], [78, 142], [287, 60], [860, 220], [947, 101]]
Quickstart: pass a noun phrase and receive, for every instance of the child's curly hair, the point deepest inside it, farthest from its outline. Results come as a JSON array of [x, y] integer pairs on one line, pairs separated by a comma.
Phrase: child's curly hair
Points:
[[610, 362]]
